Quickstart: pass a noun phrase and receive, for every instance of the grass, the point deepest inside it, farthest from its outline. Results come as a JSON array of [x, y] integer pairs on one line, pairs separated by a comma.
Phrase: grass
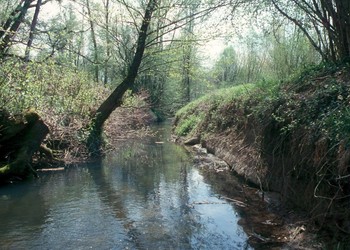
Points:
[[301, 124], [190, 117]]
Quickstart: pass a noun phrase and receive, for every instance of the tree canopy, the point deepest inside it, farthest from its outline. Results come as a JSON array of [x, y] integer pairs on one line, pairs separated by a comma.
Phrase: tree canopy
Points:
[[102, 39]]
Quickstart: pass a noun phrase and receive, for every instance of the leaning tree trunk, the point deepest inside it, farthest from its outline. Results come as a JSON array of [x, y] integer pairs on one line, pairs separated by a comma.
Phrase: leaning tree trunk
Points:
[[115, 99]]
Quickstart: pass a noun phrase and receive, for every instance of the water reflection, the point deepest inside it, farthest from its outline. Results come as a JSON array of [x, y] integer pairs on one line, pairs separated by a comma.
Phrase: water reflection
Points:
[[145, 196]]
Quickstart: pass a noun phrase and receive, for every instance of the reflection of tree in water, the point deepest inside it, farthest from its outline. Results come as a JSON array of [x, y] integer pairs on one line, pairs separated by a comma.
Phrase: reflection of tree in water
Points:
[[17, 207], [114, 200], [146, 186], [148, 200], [23, 212]]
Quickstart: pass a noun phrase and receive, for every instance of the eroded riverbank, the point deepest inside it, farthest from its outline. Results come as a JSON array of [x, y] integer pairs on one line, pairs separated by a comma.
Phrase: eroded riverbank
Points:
[[289, 137], [150, 193], [267, 223]]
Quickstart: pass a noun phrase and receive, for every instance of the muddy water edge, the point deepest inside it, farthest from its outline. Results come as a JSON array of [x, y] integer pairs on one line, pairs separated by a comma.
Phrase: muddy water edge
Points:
[[152, 194], [267, 223]]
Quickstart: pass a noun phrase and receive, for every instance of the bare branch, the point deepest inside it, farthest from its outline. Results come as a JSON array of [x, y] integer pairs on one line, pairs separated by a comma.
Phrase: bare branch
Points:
[[302, 28]]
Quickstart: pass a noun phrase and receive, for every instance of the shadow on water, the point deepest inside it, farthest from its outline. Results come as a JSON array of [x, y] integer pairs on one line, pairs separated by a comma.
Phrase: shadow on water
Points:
[[147, 195], [162, 200], [16, 210]]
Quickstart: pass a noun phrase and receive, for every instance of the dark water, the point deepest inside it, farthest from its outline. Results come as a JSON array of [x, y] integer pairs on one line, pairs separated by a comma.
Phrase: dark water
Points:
[[146, 196]]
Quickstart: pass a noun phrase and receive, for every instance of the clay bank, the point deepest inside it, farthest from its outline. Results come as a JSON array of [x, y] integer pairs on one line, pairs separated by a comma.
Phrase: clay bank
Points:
[[289, 138]]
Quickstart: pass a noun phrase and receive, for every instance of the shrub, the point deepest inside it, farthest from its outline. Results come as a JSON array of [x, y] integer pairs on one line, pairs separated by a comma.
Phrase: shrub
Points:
[[48, 88]]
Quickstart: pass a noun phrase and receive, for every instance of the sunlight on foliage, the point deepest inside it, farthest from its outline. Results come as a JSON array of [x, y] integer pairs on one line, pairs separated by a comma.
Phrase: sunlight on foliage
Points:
[[207, 107], [48, 88]]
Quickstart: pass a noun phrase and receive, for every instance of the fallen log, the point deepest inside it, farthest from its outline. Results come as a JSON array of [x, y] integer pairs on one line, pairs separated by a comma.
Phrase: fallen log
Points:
[[50, 169]]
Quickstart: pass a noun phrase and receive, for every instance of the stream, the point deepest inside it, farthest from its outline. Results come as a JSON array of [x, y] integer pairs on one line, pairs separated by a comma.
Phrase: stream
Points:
[[147, 195]]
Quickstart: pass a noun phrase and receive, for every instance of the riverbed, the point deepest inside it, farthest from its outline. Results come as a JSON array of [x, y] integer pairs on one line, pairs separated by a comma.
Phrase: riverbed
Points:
[[149, 194]]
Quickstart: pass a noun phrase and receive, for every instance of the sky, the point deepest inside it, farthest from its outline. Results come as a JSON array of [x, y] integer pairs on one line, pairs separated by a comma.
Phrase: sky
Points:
[[210, 51]]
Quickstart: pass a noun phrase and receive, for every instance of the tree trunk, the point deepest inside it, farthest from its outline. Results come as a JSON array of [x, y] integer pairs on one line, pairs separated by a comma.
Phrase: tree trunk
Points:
[[19, 141], [94, 41], [9, 29], [343, 18], [115, 99], [333, 16], [108, 46], [32, 30], [187, 57], [186, 74]]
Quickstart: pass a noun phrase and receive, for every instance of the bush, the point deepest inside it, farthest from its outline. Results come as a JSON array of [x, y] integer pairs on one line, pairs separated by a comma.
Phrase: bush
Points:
[[48, 88]]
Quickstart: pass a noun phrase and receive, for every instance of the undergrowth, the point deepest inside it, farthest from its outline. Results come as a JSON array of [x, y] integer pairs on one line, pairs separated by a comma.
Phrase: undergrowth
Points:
[[48, 88], [63, 96], [66, 100], [189, 118], [317, 99], [302, 125]]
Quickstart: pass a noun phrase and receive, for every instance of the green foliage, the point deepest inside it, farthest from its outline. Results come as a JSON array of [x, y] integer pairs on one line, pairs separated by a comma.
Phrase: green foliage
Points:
[[226, 68], [336, 124], [135, 101], [273, 55], [289, 52], [207, 110], [188, 125], [48, 88], [316, 101]]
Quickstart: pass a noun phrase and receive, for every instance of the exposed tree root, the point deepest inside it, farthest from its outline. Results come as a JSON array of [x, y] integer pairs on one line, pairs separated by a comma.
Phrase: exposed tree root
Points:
[[20, 138]]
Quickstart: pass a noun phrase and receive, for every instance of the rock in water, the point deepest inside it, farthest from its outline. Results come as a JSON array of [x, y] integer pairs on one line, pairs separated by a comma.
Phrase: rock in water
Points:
[[192, 141]]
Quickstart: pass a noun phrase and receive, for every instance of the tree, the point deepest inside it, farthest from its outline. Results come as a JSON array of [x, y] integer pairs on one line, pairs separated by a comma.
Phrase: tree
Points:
[[108, 43], [326, 23], [188, 53], [10, 26], [11, 22], [226, 68], [115, 99], [94, 40], [288, 51], [32, 30], [62, 38]]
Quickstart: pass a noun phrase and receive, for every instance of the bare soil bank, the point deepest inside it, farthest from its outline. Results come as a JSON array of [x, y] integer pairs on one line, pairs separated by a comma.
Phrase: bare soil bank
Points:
[[268, 224], [295, 143]]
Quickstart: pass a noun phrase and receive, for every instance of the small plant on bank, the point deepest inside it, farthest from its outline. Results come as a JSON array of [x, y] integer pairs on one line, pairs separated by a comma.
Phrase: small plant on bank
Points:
[[300, 129]]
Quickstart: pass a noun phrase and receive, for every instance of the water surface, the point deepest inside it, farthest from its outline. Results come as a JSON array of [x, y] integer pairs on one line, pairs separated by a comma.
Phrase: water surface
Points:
[[147, 195]]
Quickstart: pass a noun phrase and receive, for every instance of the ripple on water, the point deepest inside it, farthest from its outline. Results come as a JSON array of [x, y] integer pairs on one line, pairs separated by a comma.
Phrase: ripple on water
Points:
[[145, 197]]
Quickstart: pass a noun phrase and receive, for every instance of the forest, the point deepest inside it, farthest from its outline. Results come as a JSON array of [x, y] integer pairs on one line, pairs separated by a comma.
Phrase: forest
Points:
[[77, 74]]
